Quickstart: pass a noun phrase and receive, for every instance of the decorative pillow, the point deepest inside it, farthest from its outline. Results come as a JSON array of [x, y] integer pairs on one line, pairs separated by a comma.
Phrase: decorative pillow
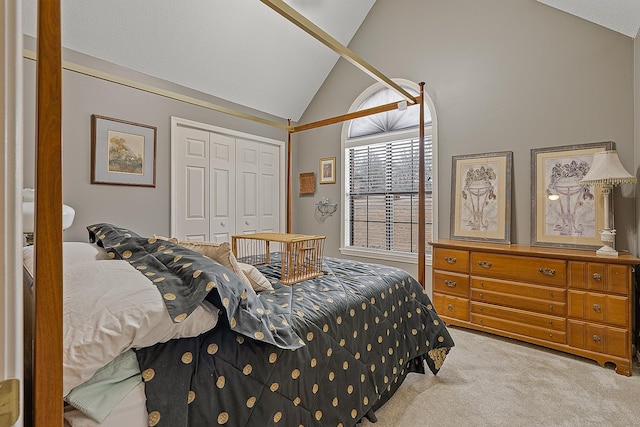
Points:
[[258, 282], [110, 307], [72, 253], [219, 252]]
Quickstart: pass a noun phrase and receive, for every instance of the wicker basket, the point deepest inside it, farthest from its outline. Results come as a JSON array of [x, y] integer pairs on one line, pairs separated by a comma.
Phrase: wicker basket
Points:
[[301, 254]]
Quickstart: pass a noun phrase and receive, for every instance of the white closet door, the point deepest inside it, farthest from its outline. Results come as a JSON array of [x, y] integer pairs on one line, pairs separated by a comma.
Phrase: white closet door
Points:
[[191, 198], [247, 186], [269, 194], [223, 188]]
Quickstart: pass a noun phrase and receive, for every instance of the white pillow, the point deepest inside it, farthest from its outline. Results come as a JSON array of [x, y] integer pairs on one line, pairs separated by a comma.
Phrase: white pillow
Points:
[[258, 281], [72, 253], [110, 307]]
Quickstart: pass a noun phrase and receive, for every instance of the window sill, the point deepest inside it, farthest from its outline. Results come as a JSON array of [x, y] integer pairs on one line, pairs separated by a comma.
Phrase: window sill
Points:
[[384, 255]]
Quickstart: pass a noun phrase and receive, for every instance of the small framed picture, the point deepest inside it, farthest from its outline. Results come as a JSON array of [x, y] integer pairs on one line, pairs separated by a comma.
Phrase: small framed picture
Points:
[[122, 152], [481, 203], [328, 170], [564, 213]]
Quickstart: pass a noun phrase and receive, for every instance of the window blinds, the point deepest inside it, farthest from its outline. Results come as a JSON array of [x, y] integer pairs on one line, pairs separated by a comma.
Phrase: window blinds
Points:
[[383, 194]]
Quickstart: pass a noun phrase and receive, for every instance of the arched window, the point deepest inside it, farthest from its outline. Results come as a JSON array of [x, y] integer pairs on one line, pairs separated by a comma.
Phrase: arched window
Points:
[[381, 155]]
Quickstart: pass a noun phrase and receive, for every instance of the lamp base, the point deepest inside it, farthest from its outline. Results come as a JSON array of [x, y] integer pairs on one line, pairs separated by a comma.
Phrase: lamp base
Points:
[[607, 251], [608, 237]]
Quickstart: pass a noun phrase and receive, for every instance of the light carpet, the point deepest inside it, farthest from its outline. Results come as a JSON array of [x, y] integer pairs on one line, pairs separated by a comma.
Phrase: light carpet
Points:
[[493, 381]]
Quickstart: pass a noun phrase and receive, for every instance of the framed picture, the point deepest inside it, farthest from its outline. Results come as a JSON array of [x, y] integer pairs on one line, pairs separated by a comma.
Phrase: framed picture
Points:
[[481, 202], [122, 152], [328, 170], [564, 213]]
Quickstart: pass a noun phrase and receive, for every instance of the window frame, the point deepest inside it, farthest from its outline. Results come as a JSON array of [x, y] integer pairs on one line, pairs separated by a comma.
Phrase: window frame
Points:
[[347, 143]]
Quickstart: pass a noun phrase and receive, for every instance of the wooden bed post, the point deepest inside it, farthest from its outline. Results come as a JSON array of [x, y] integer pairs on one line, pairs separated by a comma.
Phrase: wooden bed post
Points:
[[48, 404], [421, 197], [289, 179]]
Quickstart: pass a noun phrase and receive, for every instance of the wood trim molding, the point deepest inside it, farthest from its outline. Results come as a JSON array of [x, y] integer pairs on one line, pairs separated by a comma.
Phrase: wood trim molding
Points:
[[48, 403]]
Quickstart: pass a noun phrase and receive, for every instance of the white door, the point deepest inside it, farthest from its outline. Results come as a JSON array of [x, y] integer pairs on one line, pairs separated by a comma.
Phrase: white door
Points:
[[258, 180], [269, 194], [247, 176], [223, 185], [191, 186], [224, 182]]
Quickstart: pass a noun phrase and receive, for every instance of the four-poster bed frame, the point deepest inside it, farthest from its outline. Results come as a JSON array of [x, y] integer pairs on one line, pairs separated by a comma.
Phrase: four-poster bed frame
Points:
[[47, 405]]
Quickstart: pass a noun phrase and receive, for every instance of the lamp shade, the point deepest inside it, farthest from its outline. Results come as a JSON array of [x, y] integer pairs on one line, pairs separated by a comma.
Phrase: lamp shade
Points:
[[607, 170], [28, 212]]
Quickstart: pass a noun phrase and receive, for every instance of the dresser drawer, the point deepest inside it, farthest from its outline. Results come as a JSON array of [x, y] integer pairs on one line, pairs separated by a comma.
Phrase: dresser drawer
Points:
[[599, 338], [448, 306], [548, 293], [519, 328], [596, 307], [519, 316], [450, 260], [524, 269], [451, 283], [524, 303], [599, 277]]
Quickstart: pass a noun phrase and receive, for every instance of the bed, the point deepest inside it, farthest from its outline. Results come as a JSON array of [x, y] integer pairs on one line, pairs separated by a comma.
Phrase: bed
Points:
[[44, 300], [325, 351]]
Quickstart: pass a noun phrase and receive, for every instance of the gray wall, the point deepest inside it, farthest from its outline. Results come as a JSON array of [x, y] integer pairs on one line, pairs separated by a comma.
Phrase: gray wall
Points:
[[144, 210], [503, 75]]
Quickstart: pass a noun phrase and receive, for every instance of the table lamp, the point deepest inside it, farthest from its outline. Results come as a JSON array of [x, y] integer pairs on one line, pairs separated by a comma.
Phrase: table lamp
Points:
[[28, 214], [606, 171]]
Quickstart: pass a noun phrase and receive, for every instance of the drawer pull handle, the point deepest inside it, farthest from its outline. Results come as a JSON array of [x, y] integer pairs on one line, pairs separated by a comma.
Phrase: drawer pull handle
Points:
[[450, 307], [551, 322], [596, 338], [597, 277], [550, 307], [484, 264], [597, 308], [547, 271], [450, 259], [450, 283]]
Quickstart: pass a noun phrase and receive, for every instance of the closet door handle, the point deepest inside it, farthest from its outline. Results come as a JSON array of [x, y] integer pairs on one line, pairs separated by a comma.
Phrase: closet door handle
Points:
[[484, 264]]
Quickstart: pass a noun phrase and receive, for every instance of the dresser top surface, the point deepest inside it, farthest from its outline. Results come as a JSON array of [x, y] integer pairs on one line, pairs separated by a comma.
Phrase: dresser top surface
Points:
[[543, 252]]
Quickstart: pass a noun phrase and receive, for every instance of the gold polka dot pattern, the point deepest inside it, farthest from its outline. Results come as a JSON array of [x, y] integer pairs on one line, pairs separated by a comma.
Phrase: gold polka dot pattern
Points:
[[154, 418], [372, 333]]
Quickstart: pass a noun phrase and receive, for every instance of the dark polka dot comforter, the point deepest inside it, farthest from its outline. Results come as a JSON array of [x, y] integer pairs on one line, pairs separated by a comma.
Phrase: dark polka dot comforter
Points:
[[359, 329]]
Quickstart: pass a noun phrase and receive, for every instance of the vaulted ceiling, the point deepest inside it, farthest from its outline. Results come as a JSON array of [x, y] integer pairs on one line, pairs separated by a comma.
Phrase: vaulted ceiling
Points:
[[241, 50]]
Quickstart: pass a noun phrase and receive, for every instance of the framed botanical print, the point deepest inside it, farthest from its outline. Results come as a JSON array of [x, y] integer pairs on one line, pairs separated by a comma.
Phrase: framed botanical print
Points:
[[563, 212], [328, 170], [481, 199], [122, 152]]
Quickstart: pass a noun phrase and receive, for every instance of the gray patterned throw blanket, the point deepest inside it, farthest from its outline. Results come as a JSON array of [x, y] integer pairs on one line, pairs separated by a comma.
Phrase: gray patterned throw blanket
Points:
[[323, 352]]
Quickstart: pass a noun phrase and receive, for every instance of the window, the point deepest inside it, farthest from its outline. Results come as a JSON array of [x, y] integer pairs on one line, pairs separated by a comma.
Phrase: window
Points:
[[381, 155]]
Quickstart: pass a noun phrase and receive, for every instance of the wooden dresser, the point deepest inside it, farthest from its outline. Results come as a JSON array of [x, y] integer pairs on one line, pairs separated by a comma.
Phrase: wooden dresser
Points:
[[564, 299]]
